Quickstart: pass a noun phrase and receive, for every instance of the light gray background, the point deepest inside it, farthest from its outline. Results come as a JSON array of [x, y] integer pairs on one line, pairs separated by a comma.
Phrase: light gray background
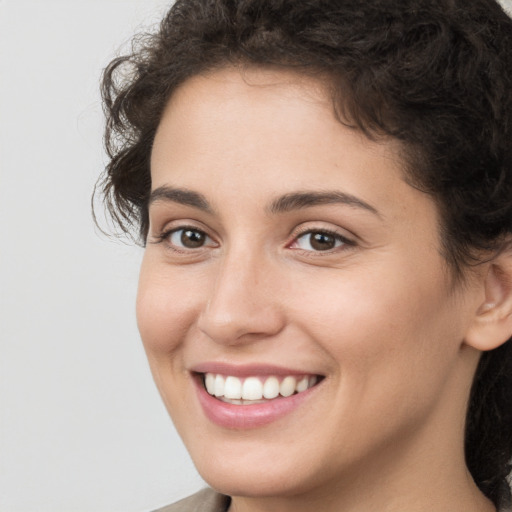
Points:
[[81, 425]]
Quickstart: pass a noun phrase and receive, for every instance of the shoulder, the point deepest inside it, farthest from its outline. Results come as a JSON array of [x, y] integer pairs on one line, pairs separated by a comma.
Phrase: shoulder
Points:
[[206, 500]]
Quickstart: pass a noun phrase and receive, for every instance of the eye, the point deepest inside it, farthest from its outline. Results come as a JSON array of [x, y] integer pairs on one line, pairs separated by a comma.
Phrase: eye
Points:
[[188, 238], [319, 241]]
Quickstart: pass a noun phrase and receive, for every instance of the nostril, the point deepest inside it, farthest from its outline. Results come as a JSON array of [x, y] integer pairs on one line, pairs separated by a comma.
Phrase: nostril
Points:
[[239, 326], [240, 306]]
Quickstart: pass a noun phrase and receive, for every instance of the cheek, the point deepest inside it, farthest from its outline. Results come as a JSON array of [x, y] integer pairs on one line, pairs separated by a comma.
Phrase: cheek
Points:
[[166, 312], [166, 309], [385, 327], [392, 348]]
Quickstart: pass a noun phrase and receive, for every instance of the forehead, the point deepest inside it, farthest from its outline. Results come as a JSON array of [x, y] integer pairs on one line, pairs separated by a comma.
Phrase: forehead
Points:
[[267, 114], [256, 85], [243, 101]]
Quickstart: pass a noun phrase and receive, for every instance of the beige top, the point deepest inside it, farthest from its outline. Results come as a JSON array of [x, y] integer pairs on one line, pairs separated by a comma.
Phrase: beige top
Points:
[[208, 500]]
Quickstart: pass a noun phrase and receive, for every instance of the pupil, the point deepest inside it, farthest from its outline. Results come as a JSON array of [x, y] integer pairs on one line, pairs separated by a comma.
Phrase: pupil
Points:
[[322, 241], [192, 239]]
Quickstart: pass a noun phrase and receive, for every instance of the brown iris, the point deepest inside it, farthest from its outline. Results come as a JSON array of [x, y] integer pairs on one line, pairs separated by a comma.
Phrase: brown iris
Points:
[[322, 241], [192, 239]]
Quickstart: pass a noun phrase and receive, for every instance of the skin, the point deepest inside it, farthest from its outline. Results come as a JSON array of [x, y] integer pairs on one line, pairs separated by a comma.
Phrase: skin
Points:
[[378, 315]]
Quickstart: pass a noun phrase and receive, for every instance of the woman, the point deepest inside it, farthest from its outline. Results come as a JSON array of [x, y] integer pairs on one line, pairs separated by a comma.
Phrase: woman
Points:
[[324, 192]]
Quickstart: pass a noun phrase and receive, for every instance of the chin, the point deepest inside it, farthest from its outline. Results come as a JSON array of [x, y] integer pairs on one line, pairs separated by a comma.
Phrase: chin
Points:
[[267, 480], [258, 468]]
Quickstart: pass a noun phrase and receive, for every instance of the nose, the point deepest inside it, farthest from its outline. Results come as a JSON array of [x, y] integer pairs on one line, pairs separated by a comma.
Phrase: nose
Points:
[[242, 305]]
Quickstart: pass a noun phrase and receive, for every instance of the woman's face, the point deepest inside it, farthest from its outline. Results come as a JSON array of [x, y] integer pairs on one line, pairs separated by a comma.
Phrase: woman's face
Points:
[[286, 252]]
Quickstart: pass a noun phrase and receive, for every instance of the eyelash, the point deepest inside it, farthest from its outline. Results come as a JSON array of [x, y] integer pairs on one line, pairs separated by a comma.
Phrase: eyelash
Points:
[[344, 242], [165, 236]]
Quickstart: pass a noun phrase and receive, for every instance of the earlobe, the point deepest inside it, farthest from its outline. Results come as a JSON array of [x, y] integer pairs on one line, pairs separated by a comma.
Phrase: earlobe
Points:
[[492, 324]]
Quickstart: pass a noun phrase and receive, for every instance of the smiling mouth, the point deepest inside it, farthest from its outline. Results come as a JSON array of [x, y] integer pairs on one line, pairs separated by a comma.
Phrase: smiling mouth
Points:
[[256, 390]]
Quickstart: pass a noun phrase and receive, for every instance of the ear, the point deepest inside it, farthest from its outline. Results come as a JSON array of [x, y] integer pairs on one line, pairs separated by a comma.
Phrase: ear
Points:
[[492, 324]]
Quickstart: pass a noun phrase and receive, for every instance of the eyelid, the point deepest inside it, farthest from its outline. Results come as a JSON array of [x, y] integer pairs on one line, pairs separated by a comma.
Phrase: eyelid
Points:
[[163, 235], [299, 232], [185, 229], [166, 231]]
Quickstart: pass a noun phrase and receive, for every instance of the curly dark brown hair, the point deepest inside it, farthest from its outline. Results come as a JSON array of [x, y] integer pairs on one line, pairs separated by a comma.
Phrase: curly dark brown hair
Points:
[[434, 74]]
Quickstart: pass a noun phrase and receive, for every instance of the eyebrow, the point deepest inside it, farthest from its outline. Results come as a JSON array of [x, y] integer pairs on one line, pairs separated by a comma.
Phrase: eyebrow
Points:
[[181, 196], [286, 203], [299, 200]]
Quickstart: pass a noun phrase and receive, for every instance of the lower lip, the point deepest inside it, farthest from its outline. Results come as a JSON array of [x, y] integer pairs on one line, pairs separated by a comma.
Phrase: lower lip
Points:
[[248, 416]]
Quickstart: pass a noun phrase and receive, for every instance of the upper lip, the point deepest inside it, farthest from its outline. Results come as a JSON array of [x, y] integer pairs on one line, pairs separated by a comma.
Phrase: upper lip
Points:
[[247, 370]]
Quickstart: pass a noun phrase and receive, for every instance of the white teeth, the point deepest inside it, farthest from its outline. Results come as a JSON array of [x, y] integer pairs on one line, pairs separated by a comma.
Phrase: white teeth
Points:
[[209, 382], [287, 387], [302, 385], [271, 388], [254, 389], [233, 388], [219, 386]]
